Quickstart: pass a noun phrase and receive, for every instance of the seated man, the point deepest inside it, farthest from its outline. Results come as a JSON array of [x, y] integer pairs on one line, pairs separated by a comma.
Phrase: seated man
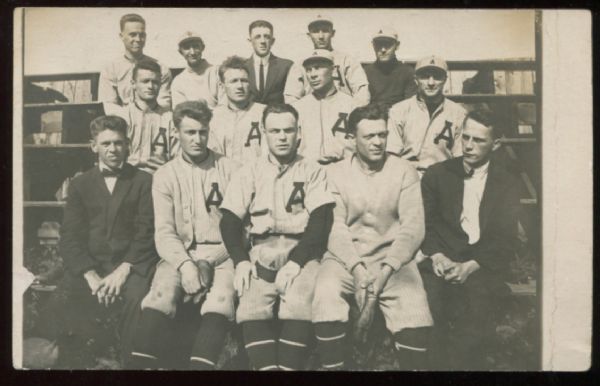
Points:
[[471, 206], [236, 125], [107, 242], [290, 213], [151, 141], [114, 86], [199, 81], [194, 265], [323, 113], [378, 226]]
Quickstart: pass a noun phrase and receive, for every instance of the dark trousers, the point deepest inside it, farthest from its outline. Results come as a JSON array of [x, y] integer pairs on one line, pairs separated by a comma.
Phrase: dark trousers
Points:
[[464, 316], [74, 315]]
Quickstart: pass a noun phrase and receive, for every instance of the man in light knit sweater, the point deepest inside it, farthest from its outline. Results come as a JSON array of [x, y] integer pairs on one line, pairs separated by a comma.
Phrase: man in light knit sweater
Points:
[[349, 76], [425, 129], [195, 266], [378, 227], [152, 140], [323, 113], [199, 81], [114, 85], [471, 208], [289, 207], [236, 126]]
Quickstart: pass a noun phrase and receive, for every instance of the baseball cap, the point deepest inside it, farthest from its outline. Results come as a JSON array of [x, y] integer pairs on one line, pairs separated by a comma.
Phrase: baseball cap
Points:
[[431, 62], [189, 35], [320, 19], [319, 54], [386, 32]]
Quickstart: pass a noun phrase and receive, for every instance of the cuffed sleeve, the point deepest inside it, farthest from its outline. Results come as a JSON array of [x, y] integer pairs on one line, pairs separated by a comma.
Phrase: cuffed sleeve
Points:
[[232, 233], [313, 243]]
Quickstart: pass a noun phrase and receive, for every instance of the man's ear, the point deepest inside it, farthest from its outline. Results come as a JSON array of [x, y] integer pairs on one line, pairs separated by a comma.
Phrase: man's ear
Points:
[[332, 33], [496, 144], [272, 41], [93, 145]]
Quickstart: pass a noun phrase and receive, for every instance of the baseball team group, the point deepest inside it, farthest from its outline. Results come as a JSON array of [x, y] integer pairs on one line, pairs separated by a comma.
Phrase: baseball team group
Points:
[[295, 200]]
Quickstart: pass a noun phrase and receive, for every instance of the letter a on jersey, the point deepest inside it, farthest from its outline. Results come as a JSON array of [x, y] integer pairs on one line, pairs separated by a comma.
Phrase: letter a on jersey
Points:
[[337, 76], [446, 135], [161, 141], [214, 197], [297, 196], [341, 124], [253, 134]]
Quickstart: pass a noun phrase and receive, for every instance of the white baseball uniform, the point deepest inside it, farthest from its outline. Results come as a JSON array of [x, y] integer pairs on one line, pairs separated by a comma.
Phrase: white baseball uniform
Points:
[[201, 85]]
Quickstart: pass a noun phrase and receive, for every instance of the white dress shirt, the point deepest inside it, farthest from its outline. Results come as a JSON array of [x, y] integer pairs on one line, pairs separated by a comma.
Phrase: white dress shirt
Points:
[[110, 181], [474, 188], [265, 61]]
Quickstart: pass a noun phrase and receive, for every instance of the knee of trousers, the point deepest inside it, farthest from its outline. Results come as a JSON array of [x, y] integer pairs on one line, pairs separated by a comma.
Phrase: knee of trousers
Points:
[[329, 303], [220, 299], [256, 303], [164, 292], [296, 303]]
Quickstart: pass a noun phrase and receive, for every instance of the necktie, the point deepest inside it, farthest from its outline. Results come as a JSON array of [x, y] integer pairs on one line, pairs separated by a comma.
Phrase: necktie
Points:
[[261, 78], [111, 172]]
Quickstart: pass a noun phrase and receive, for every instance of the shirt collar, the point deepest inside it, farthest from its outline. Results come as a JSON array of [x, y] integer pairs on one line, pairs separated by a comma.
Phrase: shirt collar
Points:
[[423, 105], [329, 95], [479, 172], [103, 166], [282, 168], [207, 161], [264, 59]]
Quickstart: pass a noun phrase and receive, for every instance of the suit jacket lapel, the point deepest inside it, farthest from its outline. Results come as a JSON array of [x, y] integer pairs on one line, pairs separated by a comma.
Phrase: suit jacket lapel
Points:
[[271, 73], [100, 183], [491, 194], [456, 188], [121, 189]]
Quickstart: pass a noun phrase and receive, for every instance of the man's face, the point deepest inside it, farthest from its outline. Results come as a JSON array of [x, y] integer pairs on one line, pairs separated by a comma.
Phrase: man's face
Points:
[[146, 85], [371, 139], [191, 50], [477, 143], [237, 85], [385, 49], [193, 136], [281, 133], [262, 40], [321, 34], [430, 82], [111, 147], [133, 36], [320, 74]]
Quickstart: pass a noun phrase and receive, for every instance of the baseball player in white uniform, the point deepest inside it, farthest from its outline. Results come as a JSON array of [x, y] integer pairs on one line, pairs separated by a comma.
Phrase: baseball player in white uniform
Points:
[[323, 112], [114, 85], [426, 128], [187, 192], [378, 227], [289, 207], [236, 127], [199, 81], [348, 74], [153, 140]]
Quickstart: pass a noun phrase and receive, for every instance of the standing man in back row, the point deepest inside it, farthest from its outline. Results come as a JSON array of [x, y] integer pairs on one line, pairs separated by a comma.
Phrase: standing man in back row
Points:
[[426, 128], [348, 74], [267, 72], [115, 79], [390, 81]]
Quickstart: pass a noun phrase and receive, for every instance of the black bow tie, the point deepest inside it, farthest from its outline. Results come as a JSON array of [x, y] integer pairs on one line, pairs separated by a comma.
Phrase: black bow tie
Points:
[[111, 172]]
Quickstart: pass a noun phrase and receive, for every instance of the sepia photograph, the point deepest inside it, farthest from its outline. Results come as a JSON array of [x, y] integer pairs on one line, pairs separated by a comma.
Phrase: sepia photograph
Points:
[[293, 190]]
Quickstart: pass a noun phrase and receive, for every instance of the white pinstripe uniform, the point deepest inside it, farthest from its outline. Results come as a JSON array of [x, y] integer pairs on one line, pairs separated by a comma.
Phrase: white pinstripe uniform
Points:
[[278, 200]]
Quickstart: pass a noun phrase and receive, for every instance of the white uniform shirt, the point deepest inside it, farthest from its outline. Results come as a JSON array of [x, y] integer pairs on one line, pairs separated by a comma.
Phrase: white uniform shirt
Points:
[[322, 125], [237, 134], [278, 198], [149, 132], [423, 139], [348, 75], [474, 188], [114, 84], [201, 85]]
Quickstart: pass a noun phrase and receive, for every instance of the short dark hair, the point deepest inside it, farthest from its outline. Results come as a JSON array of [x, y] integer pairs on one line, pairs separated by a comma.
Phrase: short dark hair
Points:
[[260, 23], [372, 112], [196, 110], [279, 108], [482, 114], [131, 17], [108, 122], [146, 64], [232, 62]]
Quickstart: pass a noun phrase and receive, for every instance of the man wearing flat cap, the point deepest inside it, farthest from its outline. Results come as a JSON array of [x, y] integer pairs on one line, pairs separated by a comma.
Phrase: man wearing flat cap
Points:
[[199, 81], [426, 128], [323, 113], [348, 74], [390, 80]]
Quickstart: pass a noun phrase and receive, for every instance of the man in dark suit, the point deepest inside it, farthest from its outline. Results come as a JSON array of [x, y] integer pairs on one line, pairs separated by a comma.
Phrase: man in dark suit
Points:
[[107, 242], [267, 72], [471, 207]]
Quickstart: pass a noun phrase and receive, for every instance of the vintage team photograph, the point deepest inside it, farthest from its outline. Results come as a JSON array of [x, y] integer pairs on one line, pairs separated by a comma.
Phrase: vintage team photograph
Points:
[[279, 189]]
